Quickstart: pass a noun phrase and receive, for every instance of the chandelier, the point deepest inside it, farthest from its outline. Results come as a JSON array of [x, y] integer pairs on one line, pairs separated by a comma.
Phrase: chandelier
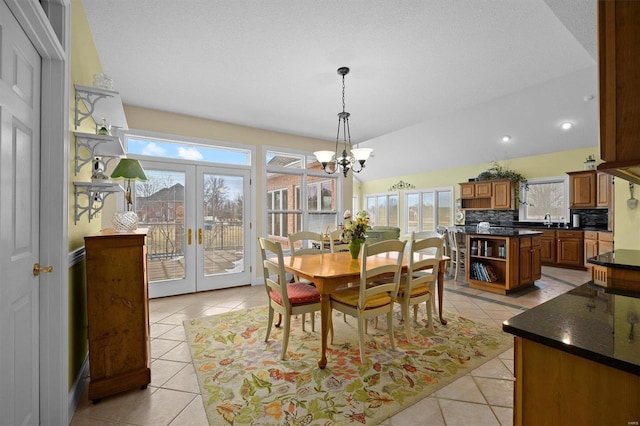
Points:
[[355, 159]]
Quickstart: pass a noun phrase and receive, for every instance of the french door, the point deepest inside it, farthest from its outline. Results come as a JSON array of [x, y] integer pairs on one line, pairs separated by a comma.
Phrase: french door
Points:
[[198, 226]]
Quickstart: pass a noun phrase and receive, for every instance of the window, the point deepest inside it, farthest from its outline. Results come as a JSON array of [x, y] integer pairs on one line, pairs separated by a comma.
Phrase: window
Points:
[[427, 209], [314, 195], [156, 147], [277, 204], [382, 209], [542, 196]]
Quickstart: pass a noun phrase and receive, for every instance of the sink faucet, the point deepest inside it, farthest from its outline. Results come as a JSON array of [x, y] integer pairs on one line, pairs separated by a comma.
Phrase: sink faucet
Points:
[[547, 219]]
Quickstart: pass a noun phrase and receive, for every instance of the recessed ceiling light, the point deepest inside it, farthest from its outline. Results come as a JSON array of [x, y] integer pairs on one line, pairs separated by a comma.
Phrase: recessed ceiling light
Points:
[[566, 125], [506, 138]]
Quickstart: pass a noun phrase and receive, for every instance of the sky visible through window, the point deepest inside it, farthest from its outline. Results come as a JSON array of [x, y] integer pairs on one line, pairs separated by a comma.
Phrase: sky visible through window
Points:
[[185, 151]]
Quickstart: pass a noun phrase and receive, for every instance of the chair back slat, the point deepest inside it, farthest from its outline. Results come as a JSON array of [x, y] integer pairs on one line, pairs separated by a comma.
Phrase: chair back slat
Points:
[[394, 249]]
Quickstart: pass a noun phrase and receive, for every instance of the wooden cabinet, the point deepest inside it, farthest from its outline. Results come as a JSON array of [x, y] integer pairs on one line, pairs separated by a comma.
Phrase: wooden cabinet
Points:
[[619, 67], [595, 243], [589, 189], [502, 195], [548, 243], [487, 195], [518, 266], [118, 312], [571, 248], [554, 387]]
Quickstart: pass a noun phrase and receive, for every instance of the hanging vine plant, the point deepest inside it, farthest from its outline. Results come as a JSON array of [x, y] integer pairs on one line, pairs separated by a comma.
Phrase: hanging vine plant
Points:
[[496, 171]]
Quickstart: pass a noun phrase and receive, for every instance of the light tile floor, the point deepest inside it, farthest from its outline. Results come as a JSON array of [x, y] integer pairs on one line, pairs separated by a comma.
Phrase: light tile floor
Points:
[[482, 397]]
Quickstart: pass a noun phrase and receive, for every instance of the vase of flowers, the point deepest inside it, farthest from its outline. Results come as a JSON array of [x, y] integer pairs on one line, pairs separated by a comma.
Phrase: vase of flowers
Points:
[[355, 232]]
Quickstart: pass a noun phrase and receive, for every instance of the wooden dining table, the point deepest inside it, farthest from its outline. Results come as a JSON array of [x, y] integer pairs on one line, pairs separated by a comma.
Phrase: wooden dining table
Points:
[[328, 271]]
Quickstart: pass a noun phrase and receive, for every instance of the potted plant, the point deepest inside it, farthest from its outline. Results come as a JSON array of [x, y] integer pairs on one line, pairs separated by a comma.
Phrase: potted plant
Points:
[[496, 171]]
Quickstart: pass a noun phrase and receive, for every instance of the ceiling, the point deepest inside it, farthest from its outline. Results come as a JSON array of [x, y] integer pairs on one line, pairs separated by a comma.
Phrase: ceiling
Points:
[[434, 84]]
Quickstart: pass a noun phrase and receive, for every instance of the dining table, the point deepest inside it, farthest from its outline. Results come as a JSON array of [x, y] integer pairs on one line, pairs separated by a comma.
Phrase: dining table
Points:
[[329, 271]]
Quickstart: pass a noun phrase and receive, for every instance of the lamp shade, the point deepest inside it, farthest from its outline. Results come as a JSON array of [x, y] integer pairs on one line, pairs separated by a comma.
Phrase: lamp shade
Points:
[[128, 168], [324, 156]]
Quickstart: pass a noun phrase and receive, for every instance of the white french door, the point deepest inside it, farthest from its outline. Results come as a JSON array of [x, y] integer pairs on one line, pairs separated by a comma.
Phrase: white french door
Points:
[[198, 226]]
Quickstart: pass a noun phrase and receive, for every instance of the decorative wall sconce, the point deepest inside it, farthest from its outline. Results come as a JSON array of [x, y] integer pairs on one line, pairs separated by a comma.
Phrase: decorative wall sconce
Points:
[[401, 185]]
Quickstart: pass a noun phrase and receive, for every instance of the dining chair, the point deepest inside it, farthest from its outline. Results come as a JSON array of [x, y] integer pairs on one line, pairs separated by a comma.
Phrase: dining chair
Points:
[[285, 298], [368, 301], [334, 234], [457, 251], [419, 283], [306, 242], [442, 230]]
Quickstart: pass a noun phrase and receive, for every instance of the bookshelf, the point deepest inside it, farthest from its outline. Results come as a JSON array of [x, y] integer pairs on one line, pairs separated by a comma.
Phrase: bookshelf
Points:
[[502, 263]]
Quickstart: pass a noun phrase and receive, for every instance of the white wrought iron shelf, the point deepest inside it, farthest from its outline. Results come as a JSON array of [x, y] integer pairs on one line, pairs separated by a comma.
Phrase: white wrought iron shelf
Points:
[[97, 146], [96, 193], [99, 104]]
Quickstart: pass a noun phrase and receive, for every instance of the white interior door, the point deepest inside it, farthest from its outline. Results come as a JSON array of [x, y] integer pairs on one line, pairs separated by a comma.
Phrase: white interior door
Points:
[[20, 67], [197, 227]]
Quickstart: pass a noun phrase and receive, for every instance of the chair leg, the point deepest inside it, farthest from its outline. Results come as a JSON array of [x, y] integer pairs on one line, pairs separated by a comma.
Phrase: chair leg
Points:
[[331, 324], [407, 320], [455, 277], [269, 322], [362, 323], [390, 328], [279, 321], [430, 314], [285, 336]]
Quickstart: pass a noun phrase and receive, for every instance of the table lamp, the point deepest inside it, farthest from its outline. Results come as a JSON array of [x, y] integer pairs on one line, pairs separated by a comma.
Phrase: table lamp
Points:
[[128, 169]]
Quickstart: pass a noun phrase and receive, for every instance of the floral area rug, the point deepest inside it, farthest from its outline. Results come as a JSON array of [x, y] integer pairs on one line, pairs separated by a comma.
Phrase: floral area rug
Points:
[[244, 382]]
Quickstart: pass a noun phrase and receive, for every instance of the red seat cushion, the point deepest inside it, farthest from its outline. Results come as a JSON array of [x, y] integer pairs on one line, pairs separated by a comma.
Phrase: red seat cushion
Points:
[[299, 294]]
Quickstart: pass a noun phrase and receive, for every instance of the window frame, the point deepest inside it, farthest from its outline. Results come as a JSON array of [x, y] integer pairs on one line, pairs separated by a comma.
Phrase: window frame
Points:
[[523, 215], [436, 207], [373, 216]]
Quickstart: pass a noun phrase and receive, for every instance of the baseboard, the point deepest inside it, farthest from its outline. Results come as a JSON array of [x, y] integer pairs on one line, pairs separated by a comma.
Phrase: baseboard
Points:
[[78, 387]]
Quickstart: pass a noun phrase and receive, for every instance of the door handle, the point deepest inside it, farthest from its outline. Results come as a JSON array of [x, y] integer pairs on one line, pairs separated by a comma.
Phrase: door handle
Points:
[[37, 269], [189, 236], [199, 235]]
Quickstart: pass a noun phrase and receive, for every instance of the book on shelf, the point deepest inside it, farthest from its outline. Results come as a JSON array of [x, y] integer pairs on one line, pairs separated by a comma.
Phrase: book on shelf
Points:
[[483, 272]]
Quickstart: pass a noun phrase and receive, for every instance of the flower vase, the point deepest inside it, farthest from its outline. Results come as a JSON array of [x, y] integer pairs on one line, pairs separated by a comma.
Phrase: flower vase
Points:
[[354, 248]]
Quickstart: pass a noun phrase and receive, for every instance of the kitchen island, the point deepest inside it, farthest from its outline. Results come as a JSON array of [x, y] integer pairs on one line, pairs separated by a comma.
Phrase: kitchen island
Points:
[[502, 260], [577, 359]]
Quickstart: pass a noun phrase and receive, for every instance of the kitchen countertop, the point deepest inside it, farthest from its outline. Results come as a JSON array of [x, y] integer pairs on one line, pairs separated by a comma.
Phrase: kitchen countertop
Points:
[[588, 321], [620, 259], [500, 232]]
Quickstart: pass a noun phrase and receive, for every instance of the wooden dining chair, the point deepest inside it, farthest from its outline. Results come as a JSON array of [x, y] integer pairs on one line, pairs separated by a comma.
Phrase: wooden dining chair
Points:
[[458, 252], [418, 284], [285, 298], [368, 301]]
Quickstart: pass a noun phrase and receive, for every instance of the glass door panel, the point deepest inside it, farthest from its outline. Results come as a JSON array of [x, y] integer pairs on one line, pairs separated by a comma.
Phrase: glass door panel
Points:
[[223, 228], [163, 204]]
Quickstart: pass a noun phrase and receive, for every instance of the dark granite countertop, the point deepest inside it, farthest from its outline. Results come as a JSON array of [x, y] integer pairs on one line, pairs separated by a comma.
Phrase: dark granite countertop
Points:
[[500, 232], [588, 321], [620, 258]]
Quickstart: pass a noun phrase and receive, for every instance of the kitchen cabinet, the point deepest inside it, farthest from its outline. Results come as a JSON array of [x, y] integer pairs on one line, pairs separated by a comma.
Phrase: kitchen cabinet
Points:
[[502, 195], [589, 189], [548, 243], [619, 91], [604, 190], [517, 268], [570, 249], [530, 266], [117, 312], [487, 195], [596, 243]]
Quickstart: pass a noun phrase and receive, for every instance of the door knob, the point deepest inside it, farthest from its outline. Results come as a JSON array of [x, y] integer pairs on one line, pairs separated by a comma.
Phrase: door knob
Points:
[[37, 269], [189, 236], [199, 235]]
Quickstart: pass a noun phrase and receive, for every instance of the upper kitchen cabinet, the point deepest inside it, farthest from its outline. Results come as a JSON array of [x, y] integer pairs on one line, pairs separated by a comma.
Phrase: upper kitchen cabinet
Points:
[[589, 189], [487, 195], [619, 68]]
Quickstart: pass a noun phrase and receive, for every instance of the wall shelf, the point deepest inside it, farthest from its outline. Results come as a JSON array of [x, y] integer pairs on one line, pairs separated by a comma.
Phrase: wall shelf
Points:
[[100, 103], [98, 146], [96, 193]]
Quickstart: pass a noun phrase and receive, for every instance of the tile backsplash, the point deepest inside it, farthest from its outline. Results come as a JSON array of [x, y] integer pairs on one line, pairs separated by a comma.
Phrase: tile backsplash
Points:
[[589, 218]]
